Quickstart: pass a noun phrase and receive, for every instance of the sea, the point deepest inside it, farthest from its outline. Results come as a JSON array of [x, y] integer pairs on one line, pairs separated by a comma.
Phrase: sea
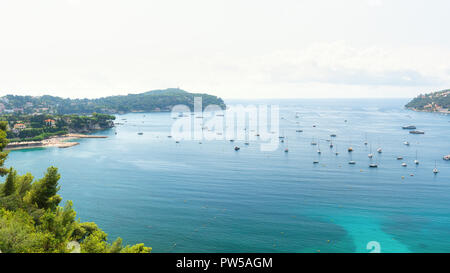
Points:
[[204, 196]]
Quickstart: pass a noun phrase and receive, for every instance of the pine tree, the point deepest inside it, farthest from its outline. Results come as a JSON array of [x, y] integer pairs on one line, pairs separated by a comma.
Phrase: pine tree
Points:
[[43, 193], [10, 185]]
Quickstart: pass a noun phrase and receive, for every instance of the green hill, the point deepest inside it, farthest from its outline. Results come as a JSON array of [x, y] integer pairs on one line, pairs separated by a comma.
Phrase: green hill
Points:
[[431, 102], [157, 100]]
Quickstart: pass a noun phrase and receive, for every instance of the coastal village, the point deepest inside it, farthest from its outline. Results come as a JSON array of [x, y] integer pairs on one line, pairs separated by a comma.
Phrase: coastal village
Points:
[[44, 130]]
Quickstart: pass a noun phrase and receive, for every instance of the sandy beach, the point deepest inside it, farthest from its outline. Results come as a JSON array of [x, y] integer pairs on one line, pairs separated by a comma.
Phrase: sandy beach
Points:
[[57, 141]]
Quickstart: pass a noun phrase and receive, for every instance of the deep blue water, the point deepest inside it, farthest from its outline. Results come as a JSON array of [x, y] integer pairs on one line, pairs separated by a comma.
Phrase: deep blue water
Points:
[[191, 197]]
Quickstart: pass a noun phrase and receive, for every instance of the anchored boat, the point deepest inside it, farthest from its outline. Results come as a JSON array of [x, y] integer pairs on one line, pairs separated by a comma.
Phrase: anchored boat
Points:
[[409, 127], [416, 161], [435, 170]]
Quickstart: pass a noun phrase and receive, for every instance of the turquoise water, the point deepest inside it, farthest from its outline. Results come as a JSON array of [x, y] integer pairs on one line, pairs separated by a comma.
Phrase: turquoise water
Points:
[[188, 197]]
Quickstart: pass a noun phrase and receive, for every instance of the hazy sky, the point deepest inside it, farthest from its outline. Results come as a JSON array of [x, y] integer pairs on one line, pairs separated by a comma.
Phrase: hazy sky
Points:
[[230, 48]]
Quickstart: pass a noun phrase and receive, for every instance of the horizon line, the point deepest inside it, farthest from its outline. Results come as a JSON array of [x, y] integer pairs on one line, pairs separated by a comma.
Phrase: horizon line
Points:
[[224, 98]]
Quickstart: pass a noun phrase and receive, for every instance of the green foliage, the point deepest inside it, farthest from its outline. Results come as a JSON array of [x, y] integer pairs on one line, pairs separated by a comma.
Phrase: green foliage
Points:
[[23, 185], [95, 243], [60, 223], [19, 235], [83, 230], [138, 248], [31, 220]]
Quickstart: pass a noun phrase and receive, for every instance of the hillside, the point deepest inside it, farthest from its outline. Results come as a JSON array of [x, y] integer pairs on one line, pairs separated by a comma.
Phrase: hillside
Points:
[[157, 100], [39, 127], [432, 102]]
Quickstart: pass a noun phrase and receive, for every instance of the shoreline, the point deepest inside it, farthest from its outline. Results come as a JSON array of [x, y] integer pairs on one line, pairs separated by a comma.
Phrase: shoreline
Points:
[[56, 141], [447, 112]]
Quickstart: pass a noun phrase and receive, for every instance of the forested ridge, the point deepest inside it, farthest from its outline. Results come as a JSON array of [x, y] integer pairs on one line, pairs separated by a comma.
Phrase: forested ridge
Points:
[[156, 100]]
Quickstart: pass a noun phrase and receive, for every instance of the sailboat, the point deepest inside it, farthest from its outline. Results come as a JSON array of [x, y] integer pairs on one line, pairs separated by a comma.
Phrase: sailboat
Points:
[[313, 142], [140, 131], [373, 165], [365, 140], [331, 144], [415, 160], [287, 146], [318, 148], [370, 155], [350, 149], [435, 170], [351, 162]]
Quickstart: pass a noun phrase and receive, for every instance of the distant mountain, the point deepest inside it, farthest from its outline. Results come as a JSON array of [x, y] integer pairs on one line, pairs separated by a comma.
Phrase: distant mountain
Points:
[[156, 100], [432, 102]]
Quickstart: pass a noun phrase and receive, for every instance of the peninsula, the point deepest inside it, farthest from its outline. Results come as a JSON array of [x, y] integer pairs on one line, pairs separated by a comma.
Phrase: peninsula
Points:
[[431, 102], [152, 101], [64, 141]]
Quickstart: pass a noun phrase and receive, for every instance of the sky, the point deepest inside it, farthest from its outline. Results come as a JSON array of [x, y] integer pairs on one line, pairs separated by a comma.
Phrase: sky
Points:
[[229, 48]]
